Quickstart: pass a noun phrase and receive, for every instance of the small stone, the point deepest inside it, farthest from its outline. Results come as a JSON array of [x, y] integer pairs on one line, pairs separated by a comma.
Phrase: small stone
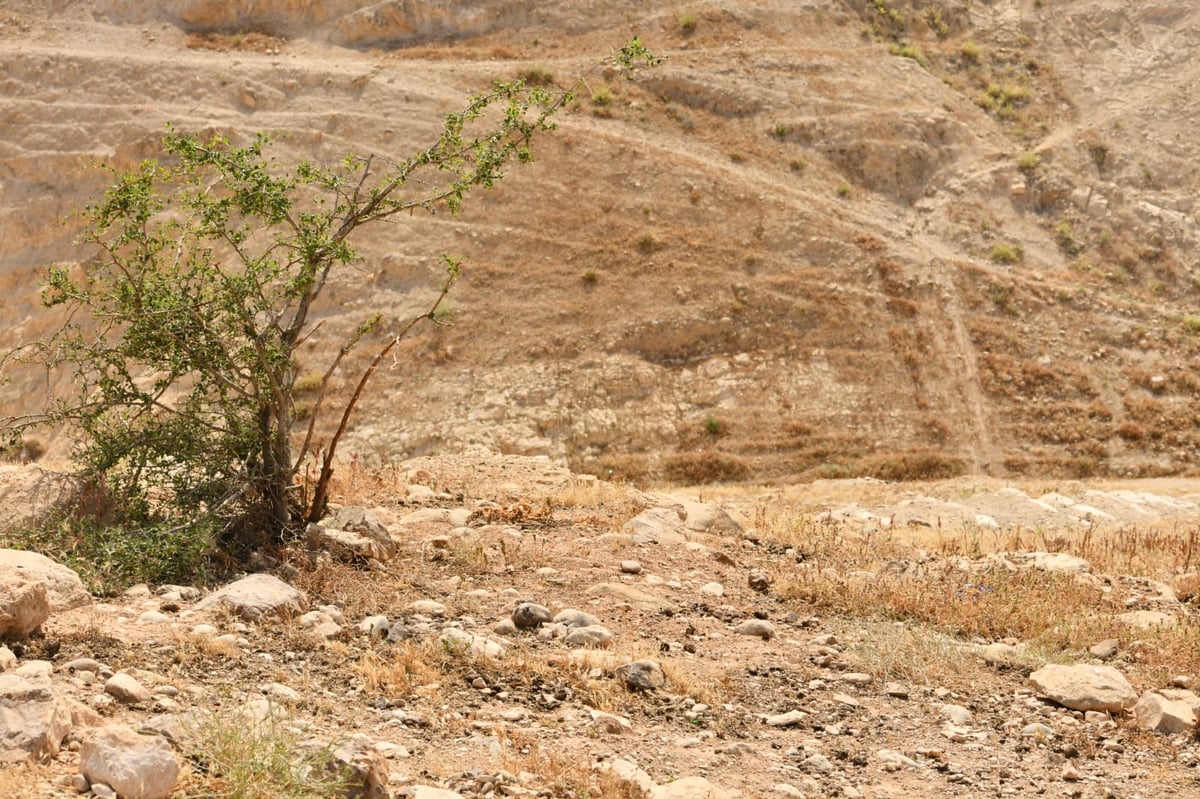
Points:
[[631, 567], [857, 678], [756, 627], [759, 581], [1105, 650], [895, 689], [1168, 711], [80, 783], [124, 688], [255, 597], [102, 791], [712, 589], [789, 719], [504, 627], [1037, 730], [529, 616], [957, 714], [152, 617], [427, 607], [788, 790], [282, 692], [609, 723], [818, 763]]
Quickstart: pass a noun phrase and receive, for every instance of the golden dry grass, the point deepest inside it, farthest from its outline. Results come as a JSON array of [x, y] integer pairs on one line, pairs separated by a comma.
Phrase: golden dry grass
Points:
[[925, 607]]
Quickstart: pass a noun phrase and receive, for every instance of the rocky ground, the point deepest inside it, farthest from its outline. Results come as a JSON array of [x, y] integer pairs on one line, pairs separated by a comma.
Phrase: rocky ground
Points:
[[491, 626]]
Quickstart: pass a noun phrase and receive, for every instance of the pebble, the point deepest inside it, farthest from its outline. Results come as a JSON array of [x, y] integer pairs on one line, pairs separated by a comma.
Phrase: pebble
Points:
[[124, 688], [712, 589], [631, 567], [789, 719]]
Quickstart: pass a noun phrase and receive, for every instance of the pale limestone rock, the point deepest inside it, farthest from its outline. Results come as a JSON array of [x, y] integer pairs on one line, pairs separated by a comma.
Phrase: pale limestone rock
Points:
[[33, 718], [65, 589], [757, 627], [1147, 619], [255, 597], [345, 545], [1084, 687], [688, 788], [703, 517], [30, 495], [656, 525], [789, 719], [135, 766], [609, 723], [429, 792], [629, 772], [476, 645], [1060, 562], [24, 603], [634, 596], [1168, 711], [124, 688], [426, 607]]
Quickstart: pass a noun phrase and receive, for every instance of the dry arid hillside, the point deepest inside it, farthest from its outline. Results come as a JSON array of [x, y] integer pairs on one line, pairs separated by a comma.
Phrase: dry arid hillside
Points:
[[825, 238]]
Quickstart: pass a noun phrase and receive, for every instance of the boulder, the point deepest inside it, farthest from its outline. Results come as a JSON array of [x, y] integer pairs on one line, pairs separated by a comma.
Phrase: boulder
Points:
[[703, 517], [1085, 687], [255, 597], [33, 718], [135, 766], [24, 604], [65, 589], [1168, 711], [345, 545], [31, 495]]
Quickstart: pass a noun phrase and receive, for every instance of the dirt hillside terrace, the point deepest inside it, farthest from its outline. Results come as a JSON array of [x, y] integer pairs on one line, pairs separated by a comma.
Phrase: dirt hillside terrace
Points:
[[826, 238]]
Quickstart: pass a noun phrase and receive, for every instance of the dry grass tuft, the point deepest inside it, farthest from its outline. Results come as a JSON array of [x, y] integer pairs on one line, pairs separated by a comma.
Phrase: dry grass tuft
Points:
[[561, 774]]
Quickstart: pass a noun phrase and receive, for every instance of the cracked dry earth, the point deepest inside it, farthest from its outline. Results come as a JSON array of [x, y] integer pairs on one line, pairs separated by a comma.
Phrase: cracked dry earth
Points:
[[422, 662]]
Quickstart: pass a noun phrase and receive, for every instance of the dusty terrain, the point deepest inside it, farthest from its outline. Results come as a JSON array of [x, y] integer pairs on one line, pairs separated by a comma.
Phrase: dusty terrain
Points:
[[787, 253], [884, 699]]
